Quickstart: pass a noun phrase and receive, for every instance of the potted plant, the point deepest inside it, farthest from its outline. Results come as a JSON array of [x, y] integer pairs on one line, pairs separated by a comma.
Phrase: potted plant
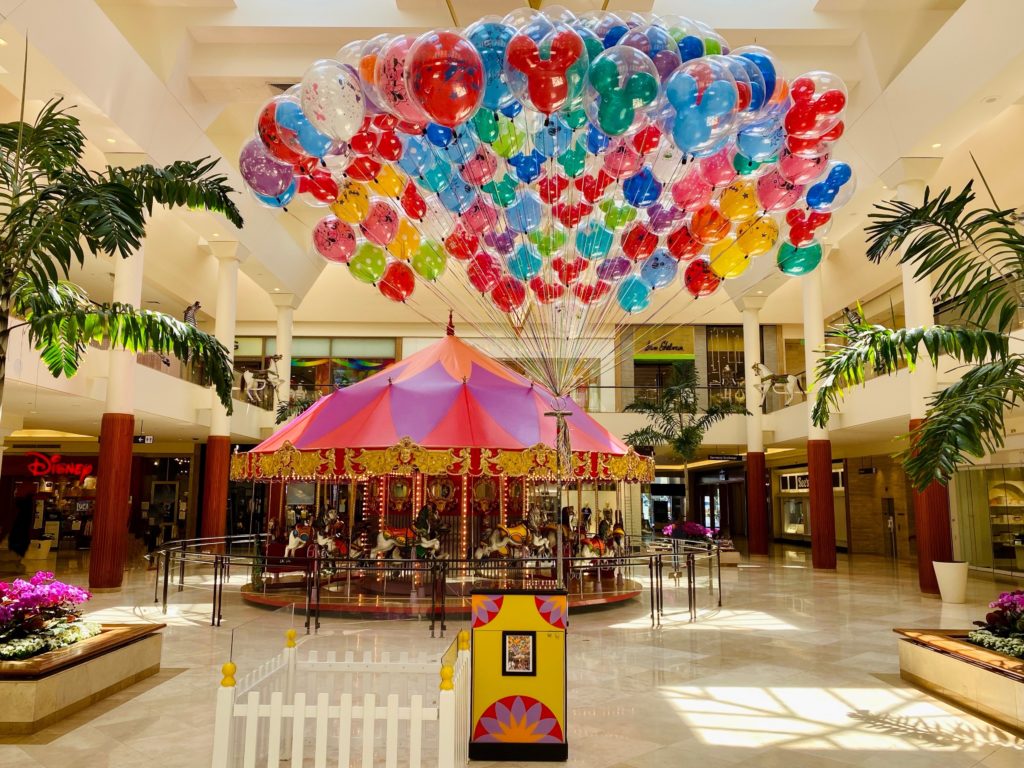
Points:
[[41, 614]]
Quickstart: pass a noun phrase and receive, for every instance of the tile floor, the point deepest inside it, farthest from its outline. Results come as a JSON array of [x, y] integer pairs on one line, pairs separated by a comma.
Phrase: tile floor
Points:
[[797, 669]]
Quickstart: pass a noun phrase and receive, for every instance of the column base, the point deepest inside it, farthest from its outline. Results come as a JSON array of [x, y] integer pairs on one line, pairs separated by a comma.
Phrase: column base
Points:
[[823, 518], [113, 506], [215, 489], [758, 525], [934, 533]]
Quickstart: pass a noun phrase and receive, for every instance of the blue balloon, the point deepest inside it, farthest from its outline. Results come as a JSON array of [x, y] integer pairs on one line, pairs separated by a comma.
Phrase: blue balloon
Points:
[[764, 64], [659, 269], [594, 241], [554, 138], [633, 295], [417, 155], [527, 167], [436, 177], [597, 141], [691, 47], [512, 109], [525, 263], [525, 213], [491, 38], [761, 141], [822, 195], [439, 135], [613, 35], [460, 149], [458, 196], [642, 189], [289, 117], [691, 127], [278, 201]]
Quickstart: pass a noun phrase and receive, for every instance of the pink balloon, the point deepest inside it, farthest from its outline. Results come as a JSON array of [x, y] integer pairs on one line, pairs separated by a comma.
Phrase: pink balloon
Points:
[[777, 193], [381, 223], [718, 169], [622, 160], [480, 217], [802, 170], [692, 192], [334, 239], [389, 73], [481, 167]]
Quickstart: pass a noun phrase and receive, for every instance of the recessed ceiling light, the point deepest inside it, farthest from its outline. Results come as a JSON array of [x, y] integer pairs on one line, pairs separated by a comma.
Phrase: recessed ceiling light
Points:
[[884, 186], [2, 42], [216, 234], [277, 290], [111, 141], [936, 146], [760, 293]]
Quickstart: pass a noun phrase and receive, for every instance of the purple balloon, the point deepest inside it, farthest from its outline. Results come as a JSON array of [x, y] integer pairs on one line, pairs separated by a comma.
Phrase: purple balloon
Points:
[[502, 242], [264, 175], [615, 268], [663, 218]]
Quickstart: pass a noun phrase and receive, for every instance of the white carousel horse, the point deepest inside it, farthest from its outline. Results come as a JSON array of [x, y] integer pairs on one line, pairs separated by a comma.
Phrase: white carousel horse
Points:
[[298, 538], [786, 384], [510, 540], [254, 382], [392, 542]]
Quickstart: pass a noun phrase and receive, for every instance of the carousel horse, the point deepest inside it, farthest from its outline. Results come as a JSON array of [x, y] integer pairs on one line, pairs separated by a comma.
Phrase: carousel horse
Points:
[[332, 537], [592, 547], [613, 535], [298, 538], [780, 383], [396, 542], [509, 540]]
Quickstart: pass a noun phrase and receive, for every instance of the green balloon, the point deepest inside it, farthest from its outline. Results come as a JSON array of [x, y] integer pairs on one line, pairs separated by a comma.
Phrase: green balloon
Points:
[[594, 46], [574, 160], [616, 216], [502, 192], [487, 125], [604, 76], [430, 260], [575, 118], [617, 107], [510, 139], [548, 243], [712, 47], [368, 262], [745, 166], [798, 261]]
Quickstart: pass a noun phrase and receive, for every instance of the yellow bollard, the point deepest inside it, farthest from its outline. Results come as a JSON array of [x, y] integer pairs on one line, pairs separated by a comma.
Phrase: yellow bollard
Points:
[[289, 638], [228, 670]]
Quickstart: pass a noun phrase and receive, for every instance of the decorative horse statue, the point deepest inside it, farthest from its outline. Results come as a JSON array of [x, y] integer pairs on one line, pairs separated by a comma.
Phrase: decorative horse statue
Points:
[[254, 382], [787, 384]]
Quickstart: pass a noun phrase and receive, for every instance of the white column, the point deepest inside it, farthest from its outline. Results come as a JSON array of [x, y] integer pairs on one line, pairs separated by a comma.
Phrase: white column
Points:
[[918, 311], [228, 260], [285, 303], [814, 340], [121, 374], [751, 355]]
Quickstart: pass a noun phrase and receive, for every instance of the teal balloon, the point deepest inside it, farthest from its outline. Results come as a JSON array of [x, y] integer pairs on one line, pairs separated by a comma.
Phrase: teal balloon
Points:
[[436, 178], [798, 261], [575, 118], [486, 125], [634, 295], [574, 160], [525, 263], [502, 192], [617, 105], [594, 241]]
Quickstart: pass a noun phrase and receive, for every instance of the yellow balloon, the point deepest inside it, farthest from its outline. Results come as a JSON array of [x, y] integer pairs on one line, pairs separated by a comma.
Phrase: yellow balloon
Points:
[[389, 182], [353, 202], [406, 242], [738, 201], [727, 260], [757, 236]]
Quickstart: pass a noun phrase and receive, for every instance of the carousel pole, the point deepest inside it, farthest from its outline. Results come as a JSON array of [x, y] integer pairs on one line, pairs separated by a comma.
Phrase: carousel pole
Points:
[[563, 464]]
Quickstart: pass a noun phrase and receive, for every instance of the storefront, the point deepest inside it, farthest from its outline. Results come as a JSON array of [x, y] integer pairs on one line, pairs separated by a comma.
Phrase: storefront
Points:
[[987, 506], [791, 505]]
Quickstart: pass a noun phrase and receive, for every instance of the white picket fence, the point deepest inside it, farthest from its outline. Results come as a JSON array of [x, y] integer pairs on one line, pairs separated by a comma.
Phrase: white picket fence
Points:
[[368, 712]]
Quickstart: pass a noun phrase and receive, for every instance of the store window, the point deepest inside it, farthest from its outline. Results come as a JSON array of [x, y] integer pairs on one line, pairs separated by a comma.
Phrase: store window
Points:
[[792, 508], [988, 511], [726, 370]]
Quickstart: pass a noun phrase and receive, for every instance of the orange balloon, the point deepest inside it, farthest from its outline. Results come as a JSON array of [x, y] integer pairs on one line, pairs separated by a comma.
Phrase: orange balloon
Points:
[[708, 225], [367, 66], [406, 242]]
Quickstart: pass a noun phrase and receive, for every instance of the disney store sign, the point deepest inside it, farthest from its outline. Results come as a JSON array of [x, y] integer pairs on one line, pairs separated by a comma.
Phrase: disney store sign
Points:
[[42, 464]]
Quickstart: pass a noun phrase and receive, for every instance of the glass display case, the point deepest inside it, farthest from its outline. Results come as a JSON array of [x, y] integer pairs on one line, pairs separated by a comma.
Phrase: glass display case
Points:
[[988, 512]]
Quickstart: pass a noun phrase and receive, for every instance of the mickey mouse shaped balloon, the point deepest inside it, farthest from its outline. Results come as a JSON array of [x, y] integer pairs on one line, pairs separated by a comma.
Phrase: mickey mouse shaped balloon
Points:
[[703, 95], [539, 72], [622, 84]]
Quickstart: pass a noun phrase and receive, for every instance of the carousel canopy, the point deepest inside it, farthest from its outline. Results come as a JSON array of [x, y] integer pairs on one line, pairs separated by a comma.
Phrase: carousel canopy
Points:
[[448, 409]]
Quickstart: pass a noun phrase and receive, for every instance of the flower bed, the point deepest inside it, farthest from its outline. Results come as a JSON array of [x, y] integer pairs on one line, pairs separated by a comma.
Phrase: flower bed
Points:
[[1003, 628], [40, 615]]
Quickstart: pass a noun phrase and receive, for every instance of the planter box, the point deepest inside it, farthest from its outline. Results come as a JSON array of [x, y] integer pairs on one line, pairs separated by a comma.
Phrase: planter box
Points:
[[974, 678], [41, 690]]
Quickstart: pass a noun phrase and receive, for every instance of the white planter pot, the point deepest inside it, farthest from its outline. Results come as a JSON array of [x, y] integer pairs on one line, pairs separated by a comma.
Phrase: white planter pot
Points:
[[952, 578]]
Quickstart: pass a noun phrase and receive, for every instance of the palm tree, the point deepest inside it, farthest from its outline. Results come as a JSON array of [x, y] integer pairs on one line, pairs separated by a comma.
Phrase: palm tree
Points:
[[676, 418], [54, 211], [975, 258]]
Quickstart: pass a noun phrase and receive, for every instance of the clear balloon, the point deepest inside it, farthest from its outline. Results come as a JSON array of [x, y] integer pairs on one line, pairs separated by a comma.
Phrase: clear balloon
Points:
[[430, 260], [727, 259], [262, 172], [381, 223], [334, 239], [508, 294], [797, 262], [819, 99], [332, 99], [703, 95], [368, 262], [525, 263], [657, 44], [633, 295], [699, 279], [405, 242], [621, 88], [738, 201], [491, 39], [546, 74], [445, 76], [834, 190], [389, 76], [397, 282], [659, 269]]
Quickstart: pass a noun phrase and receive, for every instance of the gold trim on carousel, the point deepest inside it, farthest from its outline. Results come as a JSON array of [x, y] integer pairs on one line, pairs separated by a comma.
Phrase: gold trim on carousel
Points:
[[406, 457]]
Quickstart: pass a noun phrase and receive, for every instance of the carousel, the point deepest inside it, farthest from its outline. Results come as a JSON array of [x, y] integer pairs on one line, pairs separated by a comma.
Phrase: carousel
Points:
[[447, 454]]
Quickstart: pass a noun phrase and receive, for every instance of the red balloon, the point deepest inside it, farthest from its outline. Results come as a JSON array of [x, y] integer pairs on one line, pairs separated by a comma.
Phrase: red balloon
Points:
[[810, 111], [639, 242], [413, 203], [508, 294], [398, 281], [571, 215], [708, 225], [266, 127], [594, 187], [546, 292], [699, 279], [683, 245], [483, 272], [363, 169], [363, 143], [818, 146], [546, 79], [334, 239], [552, 187], [446, 77], [589, 293], [569, 271], [384, 121], [461, 244], [389, 147], [802, 226], [647, 139], [320, 184]]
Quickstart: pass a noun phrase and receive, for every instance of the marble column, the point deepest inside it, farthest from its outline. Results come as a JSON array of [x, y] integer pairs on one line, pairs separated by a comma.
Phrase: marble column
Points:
[[758, 526], [819, 447], [218, 444], [113, 476]]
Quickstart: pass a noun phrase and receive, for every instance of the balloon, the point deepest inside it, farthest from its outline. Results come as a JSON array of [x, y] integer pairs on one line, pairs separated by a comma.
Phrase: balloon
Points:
[[699, 279], [353, 202], [642, 189], [656, 43], [438, 135], [804, 227], [406, 241], [367, 263], [591, 293], [389, 77], [388, 182], [662, 218], [457, 196], [683, 245], [525, 263], [412, 201], [549, 241], [445, 77], [708, 225], [320, 185], [774, 86], [525, 213], [266, 129], [757, 236], [639, 242], [717, 169], [527, 167], [623, 83], [278, 201], [430, 260], [799, 261], [617, 216], [551, 187], [692, 192], [621, 160], [461, 244], [801, 169], [262, 172], [594, 241], [508, 294], [634, 295], [659, 269], [362, 168], [596, 141], [367, 66], [777, 193], [554, 138], [480, 168], [483, 272], [727, 260], [381, 223], [539, 74], [594, 187], [574, 160], [568, 270], [334, 239], [502, 242], [510, 139], [833, 191], [570, 216], [546, 292], [703, 95], [297, 132], [398, 282], [819, 99], [503, 191], [491, 38], [647, 140], [332, 99], [738, 201], [480, 217], [614, 268], [761, 141]]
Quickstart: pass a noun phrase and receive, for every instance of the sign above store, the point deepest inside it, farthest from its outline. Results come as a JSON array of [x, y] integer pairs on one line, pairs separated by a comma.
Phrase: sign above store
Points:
[[724, 457], [658, 342], [43, 465], [142, 439]]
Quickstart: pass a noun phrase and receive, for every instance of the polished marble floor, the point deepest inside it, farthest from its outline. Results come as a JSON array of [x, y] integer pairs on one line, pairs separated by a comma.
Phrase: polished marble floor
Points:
[[798, 668]]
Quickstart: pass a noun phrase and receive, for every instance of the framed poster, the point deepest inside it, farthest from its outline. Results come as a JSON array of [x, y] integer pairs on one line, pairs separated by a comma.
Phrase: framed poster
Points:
[[519, 656]]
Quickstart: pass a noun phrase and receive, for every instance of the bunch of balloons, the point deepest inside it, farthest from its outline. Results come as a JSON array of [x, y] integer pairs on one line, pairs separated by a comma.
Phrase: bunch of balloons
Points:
[[560, 159]]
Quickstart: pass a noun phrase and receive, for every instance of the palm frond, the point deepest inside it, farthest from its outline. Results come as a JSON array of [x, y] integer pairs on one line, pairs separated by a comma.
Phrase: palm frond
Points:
[[973, 255], [53, 143]]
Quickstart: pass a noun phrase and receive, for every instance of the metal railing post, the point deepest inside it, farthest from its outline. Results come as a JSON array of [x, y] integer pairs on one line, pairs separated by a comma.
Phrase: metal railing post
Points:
[[181, 567], [167, 576]]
